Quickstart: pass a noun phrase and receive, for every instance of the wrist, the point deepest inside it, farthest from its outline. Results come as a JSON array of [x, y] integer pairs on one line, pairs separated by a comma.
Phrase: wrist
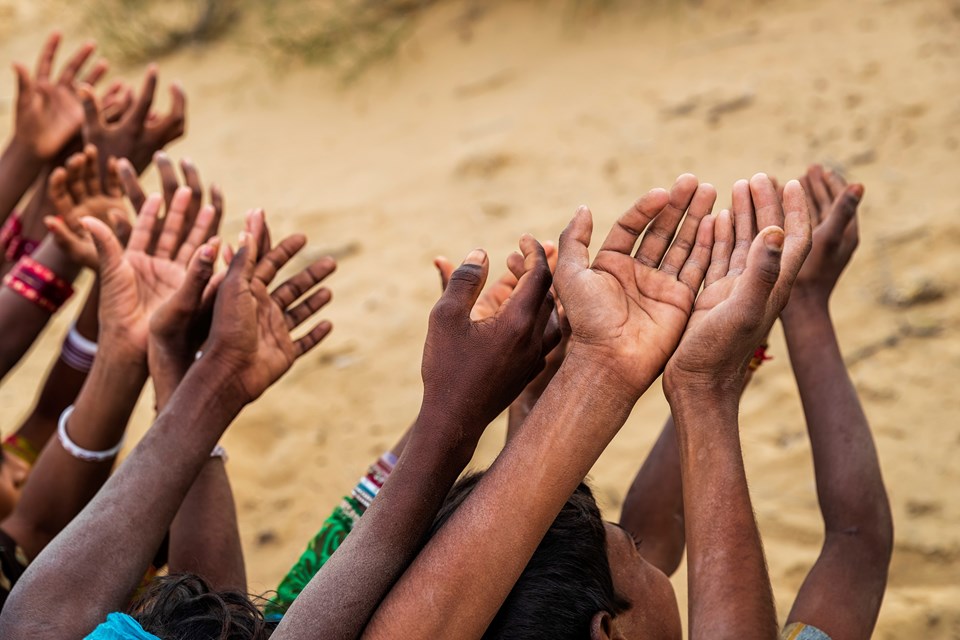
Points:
[[441, 434], [221, 376], [599, 370], [804, 300], [24, 154], [686, 389]]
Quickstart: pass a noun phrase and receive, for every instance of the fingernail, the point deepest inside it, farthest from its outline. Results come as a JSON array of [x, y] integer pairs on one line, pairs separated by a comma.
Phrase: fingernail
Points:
[[242, 239], [206, 253], [475, 257], [773, 240]]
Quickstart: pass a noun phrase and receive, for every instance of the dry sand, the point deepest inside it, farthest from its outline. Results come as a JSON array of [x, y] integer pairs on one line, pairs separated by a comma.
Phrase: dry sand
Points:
[[479, 131]]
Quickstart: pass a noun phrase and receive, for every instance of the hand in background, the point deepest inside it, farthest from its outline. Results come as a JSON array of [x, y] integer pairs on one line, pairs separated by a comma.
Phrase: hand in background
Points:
[[49, 113], [628, 310], [746, 286], [77, 192]]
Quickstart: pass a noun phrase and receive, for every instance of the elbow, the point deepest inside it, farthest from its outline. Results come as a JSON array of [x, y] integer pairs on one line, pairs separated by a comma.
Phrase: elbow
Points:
[[872, 534]]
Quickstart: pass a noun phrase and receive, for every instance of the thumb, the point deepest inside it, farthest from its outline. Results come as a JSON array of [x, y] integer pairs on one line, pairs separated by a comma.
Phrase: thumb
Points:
[[23, 82], [465, 284], [244, 261], [445, 267], [91, 112], [574, 255], [199, 273], [763, 264], [108, 247], [843, 211]]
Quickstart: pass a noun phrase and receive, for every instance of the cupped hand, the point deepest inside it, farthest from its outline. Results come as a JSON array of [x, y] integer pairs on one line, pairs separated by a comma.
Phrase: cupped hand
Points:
[[48, 112], [747, 284], [628, 310], [251, 333]]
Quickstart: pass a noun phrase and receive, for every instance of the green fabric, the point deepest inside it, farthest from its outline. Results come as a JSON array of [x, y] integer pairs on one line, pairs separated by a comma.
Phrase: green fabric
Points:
[[332, 533]]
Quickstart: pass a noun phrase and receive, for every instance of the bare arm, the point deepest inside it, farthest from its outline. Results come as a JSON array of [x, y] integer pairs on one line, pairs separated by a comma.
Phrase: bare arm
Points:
[[842, 593]]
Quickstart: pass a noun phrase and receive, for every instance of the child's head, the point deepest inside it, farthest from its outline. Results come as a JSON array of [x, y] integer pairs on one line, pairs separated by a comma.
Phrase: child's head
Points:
[[586, 579]]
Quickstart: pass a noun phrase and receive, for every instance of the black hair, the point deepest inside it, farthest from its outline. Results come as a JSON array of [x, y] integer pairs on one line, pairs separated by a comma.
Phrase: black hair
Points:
[[185, 607], [566, 582]]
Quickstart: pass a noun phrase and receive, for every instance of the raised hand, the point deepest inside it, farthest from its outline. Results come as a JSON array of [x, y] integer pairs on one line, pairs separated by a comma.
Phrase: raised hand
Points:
[[77, 192], [250, 336], [833, 213], [48, 112], [629, 309], [474, 368], [747, 284], [136, 282], [138, 133]]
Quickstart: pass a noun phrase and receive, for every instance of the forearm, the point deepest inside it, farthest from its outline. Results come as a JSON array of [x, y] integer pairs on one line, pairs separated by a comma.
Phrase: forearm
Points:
[[344, 595], [164, 466], [22, 320], [19, 167], [204, 538], [729, 587], [849, 483], [575, 419]]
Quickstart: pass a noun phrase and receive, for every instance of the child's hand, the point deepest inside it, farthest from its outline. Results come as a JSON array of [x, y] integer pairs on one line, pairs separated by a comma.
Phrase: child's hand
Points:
[[833, 213], [77, 192], [48, 112], [746, 286]]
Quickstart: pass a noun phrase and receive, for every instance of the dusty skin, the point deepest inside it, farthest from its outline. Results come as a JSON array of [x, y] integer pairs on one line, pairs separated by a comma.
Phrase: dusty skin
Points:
[[464, 142]]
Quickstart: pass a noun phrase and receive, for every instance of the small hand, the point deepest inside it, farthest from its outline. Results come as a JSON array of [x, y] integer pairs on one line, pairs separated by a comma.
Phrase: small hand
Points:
[[746, 286], [49, 113], [474, 368], [77, 192], [250, 333], [136, 282], [833, 212], [629, 311], [138, 133]]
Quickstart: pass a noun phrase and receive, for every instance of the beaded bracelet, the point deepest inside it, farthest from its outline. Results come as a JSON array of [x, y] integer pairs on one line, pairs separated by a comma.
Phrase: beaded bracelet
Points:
[[759, 357], [78, 352], [76, 450], [38, 284], [370, 484], [220, 452], [12, 243]]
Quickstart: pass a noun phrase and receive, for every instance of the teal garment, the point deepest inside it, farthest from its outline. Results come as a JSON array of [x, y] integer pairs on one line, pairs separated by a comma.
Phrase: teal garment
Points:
[[120, 626]]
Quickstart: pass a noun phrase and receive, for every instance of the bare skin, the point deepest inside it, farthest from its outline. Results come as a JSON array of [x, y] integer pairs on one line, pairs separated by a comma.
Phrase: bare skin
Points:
[[250, 348], [626, 316], [472, 370], [842, 593]]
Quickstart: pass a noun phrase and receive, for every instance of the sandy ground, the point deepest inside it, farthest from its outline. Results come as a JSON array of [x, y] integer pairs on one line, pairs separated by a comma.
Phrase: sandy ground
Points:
[[479, 131]]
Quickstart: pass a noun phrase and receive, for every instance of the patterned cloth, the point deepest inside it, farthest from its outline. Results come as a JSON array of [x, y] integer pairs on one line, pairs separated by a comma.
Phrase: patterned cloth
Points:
[[120, 626], [13, 562], [331, 535], [21, 447], [800, 631]]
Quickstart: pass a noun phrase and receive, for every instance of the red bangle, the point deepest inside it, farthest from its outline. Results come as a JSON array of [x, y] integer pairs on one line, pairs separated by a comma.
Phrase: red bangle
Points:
[[12, 243], [759, 357], [38, 284]]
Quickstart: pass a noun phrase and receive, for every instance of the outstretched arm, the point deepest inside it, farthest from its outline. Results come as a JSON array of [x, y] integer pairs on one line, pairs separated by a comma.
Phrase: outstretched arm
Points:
[[493, 357], [842, 593], [745, 288]]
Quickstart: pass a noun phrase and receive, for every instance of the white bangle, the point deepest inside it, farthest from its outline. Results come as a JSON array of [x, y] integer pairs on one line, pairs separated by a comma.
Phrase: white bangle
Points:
[[77, 451], [78, 352], [220, 452]]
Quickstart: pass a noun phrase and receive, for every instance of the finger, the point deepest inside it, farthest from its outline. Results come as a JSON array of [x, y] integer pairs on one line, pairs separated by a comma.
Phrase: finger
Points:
[[723, 242], [111, 180], [743, 226], [275, 259], [108, 247], [291, 290], [168, 177], [313, 303], [680, 251], [574, 253], [142, 234], [660, 233], [312, 339], [196, 235], [23, 84], [216, 199], [532, 286], [766, 204], [844, 210], [515, 266], [45, 61], [835, 183], [131, 186], [192, 179], [550, 249], [64, 235], [544, 314], [812, 206], [445, 268], [141, 108], [820, 192], [57, 191], [798, 231], [698, 261], [167, 243], [96, 73], [72, 68], [92, 120], [199, 271], [628, 227], [464, 287], [173, 124], [553, 332], [92, 170], [244, 261], [763, 268], [256, 224], [76, 166]]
